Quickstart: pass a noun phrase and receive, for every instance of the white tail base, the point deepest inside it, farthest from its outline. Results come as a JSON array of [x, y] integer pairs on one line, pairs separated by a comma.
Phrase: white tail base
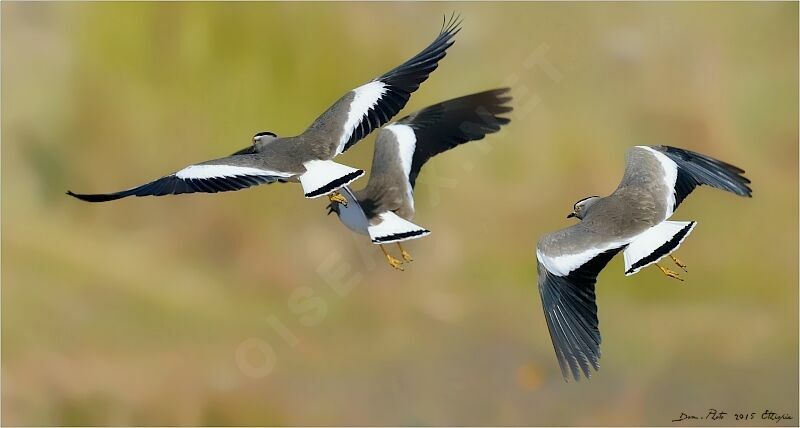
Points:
[[323, 177], [655, 243], [394, 228]]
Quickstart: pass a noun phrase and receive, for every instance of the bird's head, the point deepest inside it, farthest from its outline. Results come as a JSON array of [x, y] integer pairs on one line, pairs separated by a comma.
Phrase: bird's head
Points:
[[581, 207], [263, 136]]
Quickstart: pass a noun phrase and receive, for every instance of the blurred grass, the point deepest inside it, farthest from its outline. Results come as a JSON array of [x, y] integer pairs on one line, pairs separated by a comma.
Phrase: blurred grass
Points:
[[133, 312]]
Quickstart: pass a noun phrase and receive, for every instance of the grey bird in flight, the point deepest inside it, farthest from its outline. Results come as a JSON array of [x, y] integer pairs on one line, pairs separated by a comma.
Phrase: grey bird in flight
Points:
[[383, 210], [307, 157], [634, 219]]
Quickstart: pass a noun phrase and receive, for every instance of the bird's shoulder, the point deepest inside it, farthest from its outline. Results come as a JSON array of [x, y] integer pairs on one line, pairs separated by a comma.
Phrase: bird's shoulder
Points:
[[607, 225], [273, 144], [643, 164], [569, 239]]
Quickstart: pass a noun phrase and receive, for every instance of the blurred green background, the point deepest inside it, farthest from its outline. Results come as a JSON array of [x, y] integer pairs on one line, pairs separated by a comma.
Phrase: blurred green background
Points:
[[253, 307]]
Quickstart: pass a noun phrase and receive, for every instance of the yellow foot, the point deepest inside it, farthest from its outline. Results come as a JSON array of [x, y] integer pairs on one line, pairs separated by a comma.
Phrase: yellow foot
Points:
[[337, 197], [669, 273], [678, 263], [393, 262], [407, 257]]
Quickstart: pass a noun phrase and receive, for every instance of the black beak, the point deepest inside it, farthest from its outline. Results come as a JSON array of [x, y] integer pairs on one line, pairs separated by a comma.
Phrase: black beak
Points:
[[572, 214]]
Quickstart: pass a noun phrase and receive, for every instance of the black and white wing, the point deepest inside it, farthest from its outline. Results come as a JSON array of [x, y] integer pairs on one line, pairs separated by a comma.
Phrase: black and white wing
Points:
[[371, 105], [443, 126], [569, 261], [404, 146], [683, 170], [695, 169], [221, 175]]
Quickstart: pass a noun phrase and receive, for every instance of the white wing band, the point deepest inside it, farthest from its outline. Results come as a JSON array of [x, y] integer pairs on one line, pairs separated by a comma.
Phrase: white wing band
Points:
[[670, 176], [564, 264], [217, 171], [366, 97]]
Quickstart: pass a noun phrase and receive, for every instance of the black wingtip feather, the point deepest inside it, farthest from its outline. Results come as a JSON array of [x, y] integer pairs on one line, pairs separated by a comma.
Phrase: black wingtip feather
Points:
[[95, 197], [451, 24], [172, 185], [571, 314], [443, 126], [696, 169], [406, 78]]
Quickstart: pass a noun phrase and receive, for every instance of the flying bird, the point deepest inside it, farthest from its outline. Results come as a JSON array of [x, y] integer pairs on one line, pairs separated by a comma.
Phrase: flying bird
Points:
[[383, 210], [635, 220], [307, 157]]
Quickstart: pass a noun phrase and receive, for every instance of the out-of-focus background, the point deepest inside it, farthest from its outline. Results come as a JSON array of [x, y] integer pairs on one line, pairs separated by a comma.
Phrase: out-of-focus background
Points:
[[254, 307]]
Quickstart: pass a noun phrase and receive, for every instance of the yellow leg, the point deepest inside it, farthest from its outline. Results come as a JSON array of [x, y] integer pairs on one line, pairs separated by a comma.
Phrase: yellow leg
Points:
[[393, 262], [678, 263], [407, 257], [669, 273], [337, 197]]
